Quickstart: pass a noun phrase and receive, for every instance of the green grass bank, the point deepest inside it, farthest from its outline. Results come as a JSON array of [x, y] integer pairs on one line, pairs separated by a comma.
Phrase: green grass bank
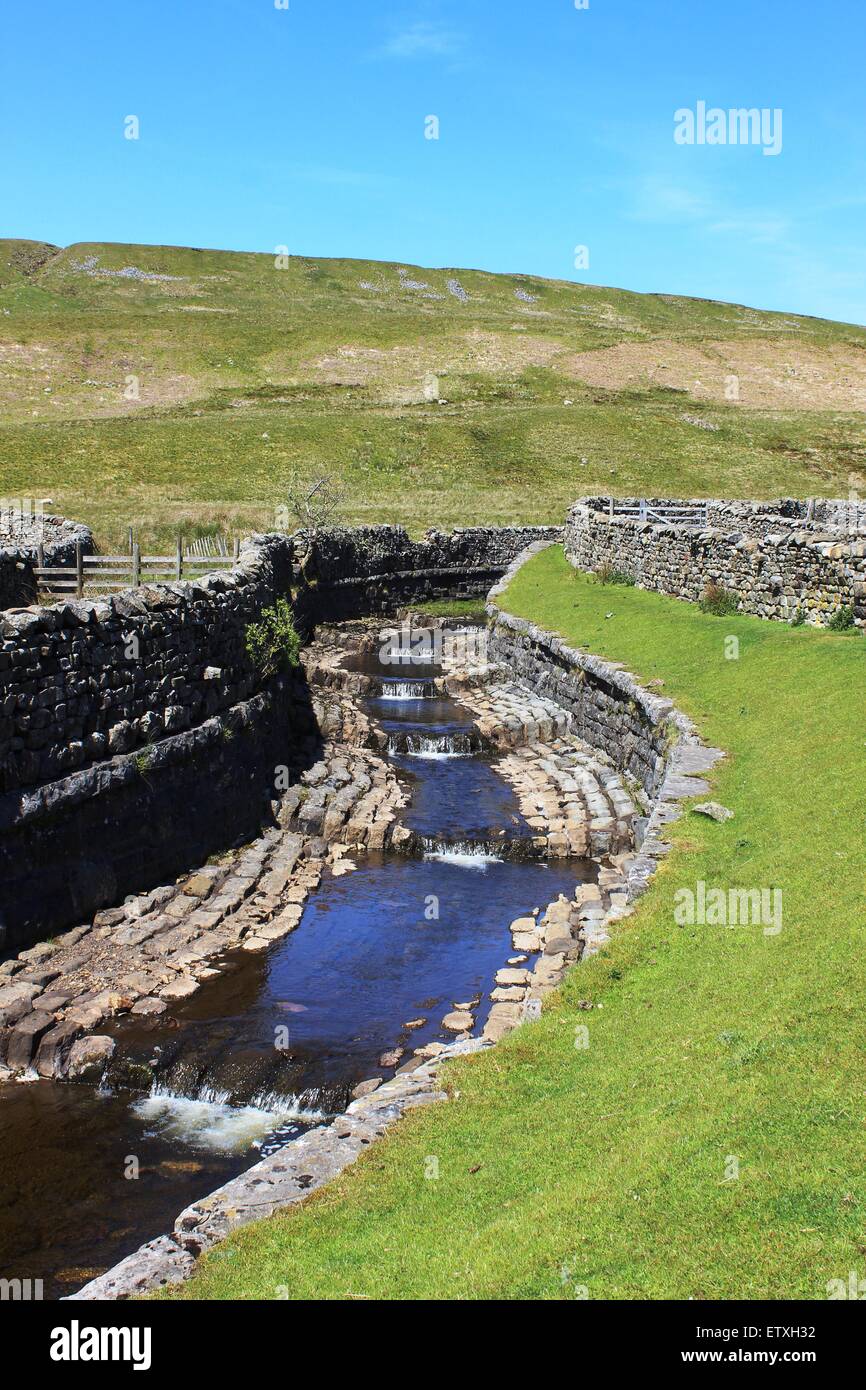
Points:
[[711, 1050]]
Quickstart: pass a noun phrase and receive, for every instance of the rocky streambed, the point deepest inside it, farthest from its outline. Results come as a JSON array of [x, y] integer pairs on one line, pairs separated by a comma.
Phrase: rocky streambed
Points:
[[451, 849]]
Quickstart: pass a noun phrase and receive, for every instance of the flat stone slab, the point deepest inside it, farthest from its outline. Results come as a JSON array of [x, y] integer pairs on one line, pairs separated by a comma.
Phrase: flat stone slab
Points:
[[179, 989], [149, 1006], [512, 975], [458, 1021]]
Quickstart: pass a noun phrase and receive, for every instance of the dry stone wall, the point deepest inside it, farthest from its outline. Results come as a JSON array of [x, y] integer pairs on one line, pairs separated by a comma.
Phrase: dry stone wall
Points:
[[368, 570], [640, 732], [17, 583], [81, 682], [779, 564], [136, 736], [21, 533]]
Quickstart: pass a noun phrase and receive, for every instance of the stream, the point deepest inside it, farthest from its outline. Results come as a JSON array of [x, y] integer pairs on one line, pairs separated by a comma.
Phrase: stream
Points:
[[276, 1042]]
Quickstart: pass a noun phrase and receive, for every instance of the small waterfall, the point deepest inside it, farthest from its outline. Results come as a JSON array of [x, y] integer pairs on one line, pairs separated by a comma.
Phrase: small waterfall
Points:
[[207, 1118], [433, 746], [468, 854], [395, 688]]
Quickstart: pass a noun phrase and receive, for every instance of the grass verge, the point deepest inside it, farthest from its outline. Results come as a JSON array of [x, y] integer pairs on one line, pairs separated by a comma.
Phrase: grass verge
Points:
[[609, 1167]]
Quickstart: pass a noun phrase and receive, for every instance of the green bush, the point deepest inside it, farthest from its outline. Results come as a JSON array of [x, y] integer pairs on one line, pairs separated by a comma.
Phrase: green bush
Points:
[[842, 620], [718, 600], [273, 643]]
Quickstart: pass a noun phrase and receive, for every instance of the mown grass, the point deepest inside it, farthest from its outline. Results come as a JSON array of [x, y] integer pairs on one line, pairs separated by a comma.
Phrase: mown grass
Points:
[[607, 1167], [248, 374]]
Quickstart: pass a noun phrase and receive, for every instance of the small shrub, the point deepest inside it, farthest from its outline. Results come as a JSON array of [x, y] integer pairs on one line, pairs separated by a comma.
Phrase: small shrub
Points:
[[718, 600], [842, 620], [798, 619], [273, 643], [606, 573]]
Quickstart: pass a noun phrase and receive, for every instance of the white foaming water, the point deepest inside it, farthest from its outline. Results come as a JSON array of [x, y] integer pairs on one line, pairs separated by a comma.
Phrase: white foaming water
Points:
[[208, 1120], [434, 755], [433, 747], [406, 690], [464, 854], [430, 749]]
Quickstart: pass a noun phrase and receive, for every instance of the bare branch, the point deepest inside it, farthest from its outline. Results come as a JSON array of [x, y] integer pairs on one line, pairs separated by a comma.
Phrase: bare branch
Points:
[[315, 503]]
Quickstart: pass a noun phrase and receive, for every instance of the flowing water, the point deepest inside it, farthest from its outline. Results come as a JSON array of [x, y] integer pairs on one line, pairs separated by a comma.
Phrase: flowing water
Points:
[[277, 1041]]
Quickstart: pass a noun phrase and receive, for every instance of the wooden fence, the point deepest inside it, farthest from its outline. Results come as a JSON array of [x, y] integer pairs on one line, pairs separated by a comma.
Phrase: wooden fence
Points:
[[100, 574]]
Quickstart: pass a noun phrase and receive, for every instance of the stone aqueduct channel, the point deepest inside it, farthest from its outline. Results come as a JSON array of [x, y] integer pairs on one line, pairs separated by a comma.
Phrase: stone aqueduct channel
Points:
[[272, 999]]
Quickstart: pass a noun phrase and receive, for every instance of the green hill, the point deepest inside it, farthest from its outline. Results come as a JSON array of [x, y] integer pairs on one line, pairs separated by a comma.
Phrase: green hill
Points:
[[166, 387]]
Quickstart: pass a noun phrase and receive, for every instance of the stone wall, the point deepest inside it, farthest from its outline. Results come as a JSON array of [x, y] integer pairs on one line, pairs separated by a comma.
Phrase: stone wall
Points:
[[644, 734], [119, 763], [85, 841], [779, 565], [21, 533], [608, 707], [17, 584], [83, 681], [24, 528], [367, 570]]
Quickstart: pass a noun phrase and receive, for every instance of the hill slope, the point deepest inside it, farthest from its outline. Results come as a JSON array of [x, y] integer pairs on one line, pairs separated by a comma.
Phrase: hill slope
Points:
[[161, 386]]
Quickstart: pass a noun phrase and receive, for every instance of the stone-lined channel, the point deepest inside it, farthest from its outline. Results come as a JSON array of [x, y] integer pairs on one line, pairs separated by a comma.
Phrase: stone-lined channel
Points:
[[275, 1041]]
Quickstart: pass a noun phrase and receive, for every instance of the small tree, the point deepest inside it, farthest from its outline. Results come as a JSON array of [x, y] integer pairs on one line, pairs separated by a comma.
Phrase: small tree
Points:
[[842, 620], [273, 643], [314, 503]]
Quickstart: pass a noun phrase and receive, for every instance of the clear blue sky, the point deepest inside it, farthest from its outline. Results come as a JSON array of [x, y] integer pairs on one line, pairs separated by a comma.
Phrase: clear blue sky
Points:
[[304, 127]]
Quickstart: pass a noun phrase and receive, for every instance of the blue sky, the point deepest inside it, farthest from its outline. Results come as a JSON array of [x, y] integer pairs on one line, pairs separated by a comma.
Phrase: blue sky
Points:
[[305, 127]]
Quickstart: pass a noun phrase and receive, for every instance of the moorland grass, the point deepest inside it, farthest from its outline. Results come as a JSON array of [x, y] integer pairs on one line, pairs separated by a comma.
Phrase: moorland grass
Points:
[[711, 1050], [246, 373]]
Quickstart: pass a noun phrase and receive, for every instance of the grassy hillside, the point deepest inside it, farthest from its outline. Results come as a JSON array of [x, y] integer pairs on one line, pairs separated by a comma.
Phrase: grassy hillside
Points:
[[708, 1143], [162, 386]]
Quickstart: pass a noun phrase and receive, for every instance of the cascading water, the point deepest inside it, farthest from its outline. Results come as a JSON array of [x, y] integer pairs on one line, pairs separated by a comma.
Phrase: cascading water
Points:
[[399, 688], [470, 854], [210, 1119], [277, 1041], [432, 746]]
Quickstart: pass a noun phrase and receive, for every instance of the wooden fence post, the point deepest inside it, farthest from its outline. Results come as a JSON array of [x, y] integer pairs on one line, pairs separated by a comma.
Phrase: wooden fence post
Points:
[[136, 566], [179, 558], [79, 570], [236, 550]]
